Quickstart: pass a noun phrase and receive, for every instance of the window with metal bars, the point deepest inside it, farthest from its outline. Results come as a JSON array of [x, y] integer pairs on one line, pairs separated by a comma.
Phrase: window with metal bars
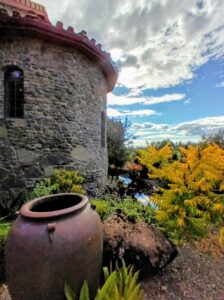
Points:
[[14, 93]]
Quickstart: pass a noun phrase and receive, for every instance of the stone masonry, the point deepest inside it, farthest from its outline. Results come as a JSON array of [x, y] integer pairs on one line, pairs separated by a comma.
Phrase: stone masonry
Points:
[[64, 98]]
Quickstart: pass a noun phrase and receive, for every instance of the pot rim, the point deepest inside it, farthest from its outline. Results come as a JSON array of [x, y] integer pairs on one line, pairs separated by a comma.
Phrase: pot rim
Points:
[[27, 212]]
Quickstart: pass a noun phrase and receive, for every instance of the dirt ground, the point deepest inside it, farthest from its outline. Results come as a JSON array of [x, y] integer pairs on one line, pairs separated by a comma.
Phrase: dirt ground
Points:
[[191, 276]]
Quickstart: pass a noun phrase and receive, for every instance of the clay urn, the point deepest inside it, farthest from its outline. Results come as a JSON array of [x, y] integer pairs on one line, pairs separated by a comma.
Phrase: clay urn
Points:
[[55, 240]]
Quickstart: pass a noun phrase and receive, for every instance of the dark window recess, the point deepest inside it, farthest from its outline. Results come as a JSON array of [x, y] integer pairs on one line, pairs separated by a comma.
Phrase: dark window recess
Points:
[[103, 129], [14, 95]]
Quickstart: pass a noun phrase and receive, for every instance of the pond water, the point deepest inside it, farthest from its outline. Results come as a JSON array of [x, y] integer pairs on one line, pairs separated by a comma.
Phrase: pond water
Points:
[[125, 180], [138, 195]]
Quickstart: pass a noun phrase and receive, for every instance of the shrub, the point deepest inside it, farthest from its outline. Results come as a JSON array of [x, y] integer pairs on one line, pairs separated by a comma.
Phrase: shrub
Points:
[[120, 284], [62, 181], [4, 229], [67, 181], [103, 207], [43, 188], [134, 210], [192, 199]]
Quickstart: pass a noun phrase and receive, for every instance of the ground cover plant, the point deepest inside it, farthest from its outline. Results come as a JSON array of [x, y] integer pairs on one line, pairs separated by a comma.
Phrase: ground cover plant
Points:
[[130, 207]]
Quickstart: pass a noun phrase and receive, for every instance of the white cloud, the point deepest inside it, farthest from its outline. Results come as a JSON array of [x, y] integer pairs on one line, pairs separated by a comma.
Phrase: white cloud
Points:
[[143, 112], [200, 126], [220, 84], [157, 43], [187, 102], [129, 99], [186, 131], [176, 139], [125, 113], [114, 113], [151, 126]]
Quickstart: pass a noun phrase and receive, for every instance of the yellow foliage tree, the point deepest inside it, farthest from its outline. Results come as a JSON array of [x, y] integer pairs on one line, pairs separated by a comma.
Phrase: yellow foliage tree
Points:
[[193, 197]]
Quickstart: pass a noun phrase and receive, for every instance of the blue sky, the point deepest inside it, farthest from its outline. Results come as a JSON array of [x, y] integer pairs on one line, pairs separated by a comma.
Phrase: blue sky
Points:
[[170, 55], [199, 111]]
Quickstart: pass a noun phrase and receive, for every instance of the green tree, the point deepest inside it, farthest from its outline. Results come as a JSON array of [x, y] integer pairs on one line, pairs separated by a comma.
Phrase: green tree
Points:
[[215, 138], [117, 140]]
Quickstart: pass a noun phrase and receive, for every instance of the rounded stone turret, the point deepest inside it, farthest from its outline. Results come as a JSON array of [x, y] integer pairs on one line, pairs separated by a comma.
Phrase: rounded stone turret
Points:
[[53, 86]]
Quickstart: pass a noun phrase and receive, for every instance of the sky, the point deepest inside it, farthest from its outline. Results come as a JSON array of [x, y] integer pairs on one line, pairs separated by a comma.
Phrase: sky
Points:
[[170, 55]]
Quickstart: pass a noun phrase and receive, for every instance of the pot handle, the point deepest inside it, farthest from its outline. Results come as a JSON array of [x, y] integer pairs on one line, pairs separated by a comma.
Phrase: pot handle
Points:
[[51, 229], [93, 206]]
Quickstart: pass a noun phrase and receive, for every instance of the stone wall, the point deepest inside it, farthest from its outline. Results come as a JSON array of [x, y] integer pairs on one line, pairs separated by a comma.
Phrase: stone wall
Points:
[[64, 95]]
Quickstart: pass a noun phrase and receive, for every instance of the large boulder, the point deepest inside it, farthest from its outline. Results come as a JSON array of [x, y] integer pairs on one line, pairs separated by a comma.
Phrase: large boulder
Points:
[[137, 243]]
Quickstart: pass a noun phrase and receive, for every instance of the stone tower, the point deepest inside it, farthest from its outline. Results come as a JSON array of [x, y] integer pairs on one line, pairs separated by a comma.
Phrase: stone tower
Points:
[[53, 86]]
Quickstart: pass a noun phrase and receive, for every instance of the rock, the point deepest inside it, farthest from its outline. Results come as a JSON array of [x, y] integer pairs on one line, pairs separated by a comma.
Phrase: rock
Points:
[[4, 293], [34, 172], [48, 171], [3, 133], [12, 181], [81, 153], [59, 160], [139, 244], [3, 173], [26, 156]]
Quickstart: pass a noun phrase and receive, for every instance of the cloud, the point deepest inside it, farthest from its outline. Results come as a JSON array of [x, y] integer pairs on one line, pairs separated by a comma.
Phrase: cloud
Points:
[[152, 126], [157, 43], [143, 112], [220, 84], [187, 102], [201, 126], [129, 99], [114, 113], [125, 113], [174, 138], [129, 60], [185, 131]]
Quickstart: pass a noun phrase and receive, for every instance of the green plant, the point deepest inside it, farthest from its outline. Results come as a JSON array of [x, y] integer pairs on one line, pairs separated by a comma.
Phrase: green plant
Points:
[[103, 207], [120, 284], [117, 140], [135, 211], [62, 181], [131, 208], [4, 229], [43, 188], [68, 181]]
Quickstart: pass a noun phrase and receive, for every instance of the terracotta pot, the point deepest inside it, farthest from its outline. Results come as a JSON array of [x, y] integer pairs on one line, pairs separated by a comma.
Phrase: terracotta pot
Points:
[[55, 240]]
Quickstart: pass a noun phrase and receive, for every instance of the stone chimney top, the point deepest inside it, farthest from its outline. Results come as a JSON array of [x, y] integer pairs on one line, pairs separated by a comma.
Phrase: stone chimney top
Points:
[[24, 7]]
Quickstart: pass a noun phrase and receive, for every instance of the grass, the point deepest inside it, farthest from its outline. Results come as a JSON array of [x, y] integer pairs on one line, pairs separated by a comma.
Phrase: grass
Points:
[[4, 229]]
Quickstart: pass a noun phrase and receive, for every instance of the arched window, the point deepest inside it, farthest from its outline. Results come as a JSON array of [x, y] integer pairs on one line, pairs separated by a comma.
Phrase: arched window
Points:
[[14, 95]]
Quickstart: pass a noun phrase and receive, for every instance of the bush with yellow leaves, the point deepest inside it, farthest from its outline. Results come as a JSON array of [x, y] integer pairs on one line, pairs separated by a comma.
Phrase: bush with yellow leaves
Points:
[[62, 181], [192, 197]]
